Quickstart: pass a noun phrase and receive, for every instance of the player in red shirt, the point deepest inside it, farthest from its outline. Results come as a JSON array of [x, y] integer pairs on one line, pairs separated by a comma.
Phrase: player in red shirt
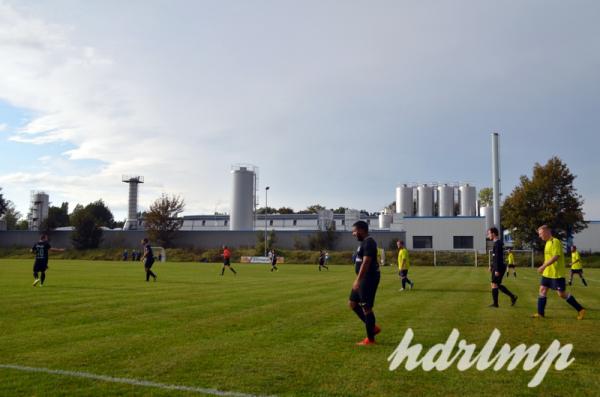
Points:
[[226, 260]]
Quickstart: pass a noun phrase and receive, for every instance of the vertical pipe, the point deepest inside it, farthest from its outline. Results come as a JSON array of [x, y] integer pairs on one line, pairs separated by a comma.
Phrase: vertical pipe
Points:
[[496, 181]]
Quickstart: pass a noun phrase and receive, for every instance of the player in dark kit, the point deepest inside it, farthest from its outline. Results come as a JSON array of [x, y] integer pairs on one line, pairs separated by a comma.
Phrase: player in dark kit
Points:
[[322, 260], [226, 260], [364, 288], [148, 259], [274, 261], [498, 268], [41, 249]]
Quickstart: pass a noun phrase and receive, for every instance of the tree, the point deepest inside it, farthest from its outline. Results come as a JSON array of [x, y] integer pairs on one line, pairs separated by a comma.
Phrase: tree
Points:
[[325, 239], [11, 216], [268, 210], [3, 203], [22, 225], [87, 232], [101, 212], [57, 217], [340, 210], [285, 210], [550, 198], [312, 209], [486, 197], [162, 221]]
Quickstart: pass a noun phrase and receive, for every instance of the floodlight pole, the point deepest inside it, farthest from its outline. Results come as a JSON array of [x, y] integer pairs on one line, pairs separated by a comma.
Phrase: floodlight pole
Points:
[[266, 210], [496, 182]]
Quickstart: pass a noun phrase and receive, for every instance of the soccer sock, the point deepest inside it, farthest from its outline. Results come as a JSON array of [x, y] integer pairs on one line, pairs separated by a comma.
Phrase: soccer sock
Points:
[[403, 282], [506, 291], [495, 296], [230, 268], [43, 277], [35, 275], [515, 274], [571, 301], [152, 273], [370, 325], [584, 282], [408, 281], [541, 305], [147, 275], [359, 312], [223, 271]]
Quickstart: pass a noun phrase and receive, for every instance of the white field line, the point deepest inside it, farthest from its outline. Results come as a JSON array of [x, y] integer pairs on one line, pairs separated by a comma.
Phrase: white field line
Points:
[[128, 381]]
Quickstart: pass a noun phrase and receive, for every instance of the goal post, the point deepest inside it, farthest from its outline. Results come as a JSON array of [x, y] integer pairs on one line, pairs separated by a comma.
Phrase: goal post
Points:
[[160, 254], [522, 257]]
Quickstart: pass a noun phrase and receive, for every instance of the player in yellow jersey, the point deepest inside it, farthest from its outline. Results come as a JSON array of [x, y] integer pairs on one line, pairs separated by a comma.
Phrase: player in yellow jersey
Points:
[[553, 273], [576, 266], [403, 265], [510, 260]]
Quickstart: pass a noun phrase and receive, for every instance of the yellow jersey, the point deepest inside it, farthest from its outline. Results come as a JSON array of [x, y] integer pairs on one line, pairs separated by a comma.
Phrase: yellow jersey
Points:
[[576, 261], [557, 269], [511, 258], [403, 256]]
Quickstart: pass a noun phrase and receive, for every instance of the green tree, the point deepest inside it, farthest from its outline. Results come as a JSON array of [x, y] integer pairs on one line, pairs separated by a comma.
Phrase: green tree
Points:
[[268, 210], [57, 217], [548, 197], [325, 239], [101, 212], [259, 248], [285, 210], [486, 197], [312, 209], [11, 216], [3, 203], [87, 232], [339, 210], [163, 221], [22, 225]]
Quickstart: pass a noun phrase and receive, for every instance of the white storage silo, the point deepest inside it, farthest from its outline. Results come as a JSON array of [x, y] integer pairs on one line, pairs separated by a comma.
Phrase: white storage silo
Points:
[[424, 200], [242, 204], [404, 200], [468, 200], [488, 213], [40, 205], [446, 200], [385, 219]]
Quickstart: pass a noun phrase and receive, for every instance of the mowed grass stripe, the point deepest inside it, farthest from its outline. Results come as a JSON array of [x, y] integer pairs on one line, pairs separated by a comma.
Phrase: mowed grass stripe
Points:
[[284, 333]]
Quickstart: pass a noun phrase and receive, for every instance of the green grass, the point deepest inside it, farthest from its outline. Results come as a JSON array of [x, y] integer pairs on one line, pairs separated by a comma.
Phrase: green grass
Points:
[[288, 333]]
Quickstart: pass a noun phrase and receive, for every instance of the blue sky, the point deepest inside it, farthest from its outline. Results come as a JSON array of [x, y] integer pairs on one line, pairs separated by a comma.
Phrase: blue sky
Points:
[[336, 102]]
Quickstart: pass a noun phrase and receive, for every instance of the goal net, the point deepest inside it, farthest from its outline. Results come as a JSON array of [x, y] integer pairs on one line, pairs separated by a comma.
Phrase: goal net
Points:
[[160, 255], [522, 258]]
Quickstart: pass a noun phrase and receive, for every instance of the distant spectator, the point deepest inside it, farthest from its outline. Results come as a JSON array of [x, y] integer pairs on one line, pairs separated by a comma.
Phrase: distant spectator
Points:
[[125, 255]]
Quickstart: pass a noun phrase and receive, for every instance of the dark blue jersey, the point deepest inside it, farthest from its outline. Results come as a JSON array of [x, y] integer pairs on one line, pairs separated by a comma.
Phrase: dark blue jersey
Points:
[[148, 251], [41, 249], [498, 264], [368, 247]]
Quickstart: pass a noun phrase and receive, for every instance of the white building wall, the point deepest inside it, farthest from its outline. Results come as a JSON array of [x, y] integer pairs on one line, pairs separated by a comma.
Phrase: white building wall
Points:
[[588, 239], [443, 230]]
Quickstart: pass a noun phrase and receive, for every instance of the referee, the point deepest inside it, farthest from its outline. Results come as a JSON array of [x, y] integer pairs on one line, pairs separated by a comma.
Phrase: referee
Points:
[[364, 288], [498, 268]]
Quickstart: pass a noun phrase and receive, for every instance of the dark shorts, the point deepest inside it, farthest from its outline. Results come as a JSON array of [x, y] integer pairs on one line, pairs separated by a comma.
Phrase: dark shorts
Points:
[[576, 271], [148, 262], [365, 296], [497, 279], [511, 266], [557, 284], [226, 262], [403, 273], [40, 266]]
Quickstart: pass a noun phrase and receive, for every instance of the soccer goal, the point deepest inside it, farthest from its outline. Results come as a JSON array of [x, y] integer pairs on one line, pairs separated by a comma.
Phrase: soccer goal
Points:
[[458, 257], [160, 254], [522, 258]]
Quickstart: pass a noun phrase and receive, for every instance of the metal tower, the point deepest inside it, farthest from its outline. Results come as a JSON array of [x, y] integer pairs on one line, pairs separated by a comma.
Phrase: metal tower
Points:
[[131, 223]]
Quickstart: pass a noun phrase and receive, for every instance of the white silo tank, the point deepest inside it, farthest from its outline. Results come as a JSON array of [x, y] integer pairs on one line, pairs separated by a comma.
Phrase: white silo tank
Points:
[[424, 200], [242, 205], [468, 200], [404, 200], [446, 200], [385, 219], [488, 213]]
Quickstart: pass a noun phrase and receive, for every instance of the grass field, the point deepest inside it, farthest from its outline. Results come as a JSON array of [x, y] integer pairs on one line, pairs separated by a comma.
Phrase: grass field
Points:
[[288, 333]]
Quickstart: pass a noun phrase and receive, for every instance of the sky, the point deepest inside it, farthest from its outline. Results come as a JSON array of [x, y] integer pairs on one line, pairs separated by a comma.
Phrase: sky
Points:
[[336, 102]]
